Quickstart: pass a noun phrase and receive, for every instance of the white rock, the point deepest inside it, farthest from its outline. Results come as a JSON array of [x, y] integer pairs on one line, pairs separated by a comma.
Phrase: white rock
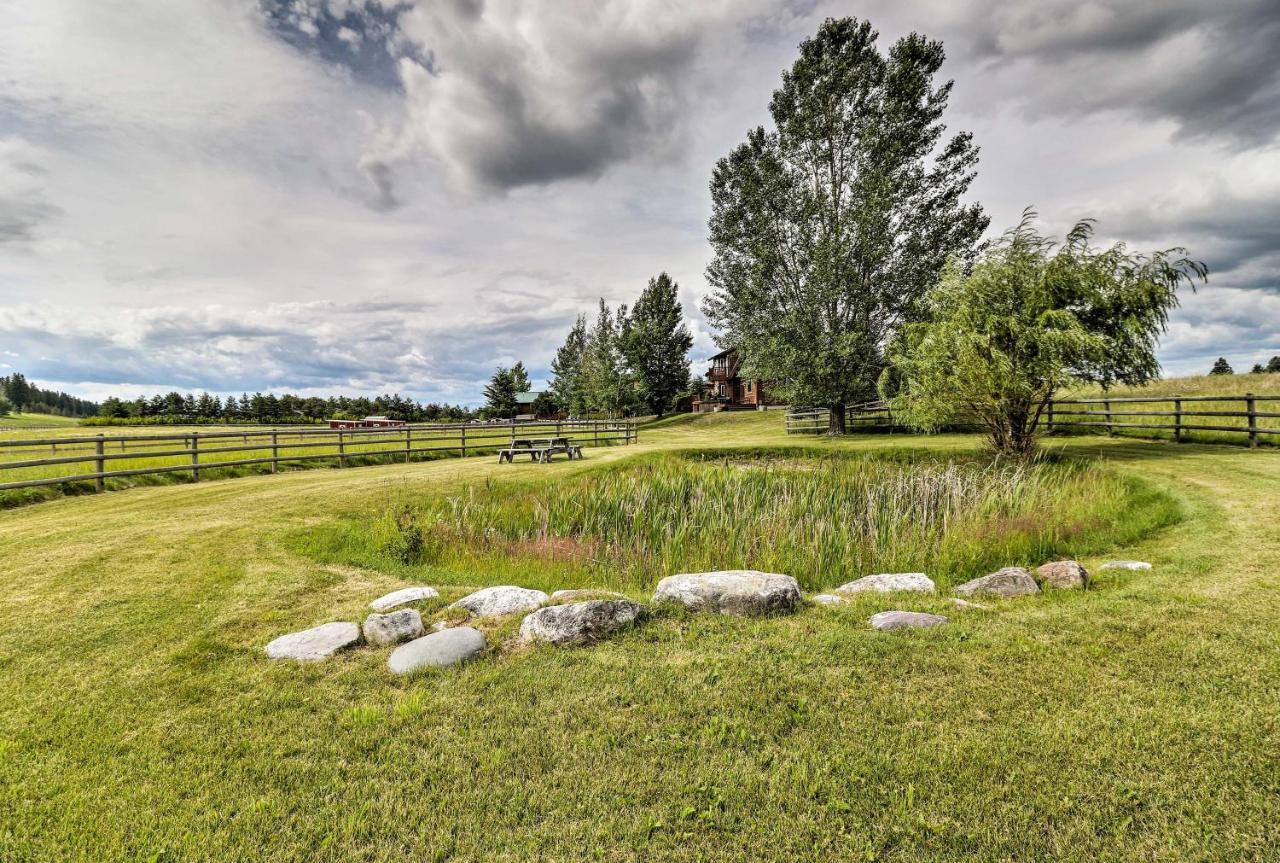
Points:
[[734, 591], [916, 582], [316, 643], [582, 594], [1008, 582], [448, 647], [497, 601], [964, 603], [580, 622], [906, 620], [829, 599], [403, 596], [1131, 565], [381, 630]]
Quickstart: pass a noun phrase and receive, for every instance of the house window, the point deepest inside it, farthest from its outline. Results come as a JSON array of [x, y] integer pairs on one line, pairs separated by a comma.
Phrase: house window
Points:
[[748, 386]]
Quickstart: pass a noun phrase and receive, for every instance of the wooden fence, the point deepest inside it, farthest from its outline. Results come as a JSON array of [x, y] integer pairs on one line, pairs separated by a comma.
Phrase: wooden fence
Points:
[[65, 459], [867, 416], [1119, 414]]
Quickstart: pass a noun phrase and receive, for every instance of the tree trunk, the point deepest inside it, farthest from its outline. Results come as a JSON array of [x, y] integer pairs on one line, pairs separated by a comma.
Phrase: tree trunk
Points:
[[835, 420]]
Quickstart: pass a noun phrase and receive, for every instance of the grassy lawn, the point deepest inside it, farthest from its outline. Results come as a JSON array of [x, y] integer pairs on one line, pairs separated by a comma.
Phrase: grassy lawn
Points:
[[139, 719], [33, 421]]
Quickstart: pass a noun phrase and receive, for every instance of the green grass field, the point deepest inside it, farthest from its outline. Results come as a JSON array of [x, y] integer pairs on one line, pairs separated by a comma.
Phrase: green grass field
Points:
[[20, 421], [139, 719]]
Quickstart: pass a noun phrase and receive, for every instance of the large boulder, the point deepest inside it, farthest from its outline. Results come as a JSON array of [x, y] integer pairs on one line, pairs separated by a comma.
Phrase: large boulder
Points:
[[580, 622], [316, 643], [382, 630], [734, 591], [906, 620], [1009, 582], [890, 582], [1130, 565], [447, 647], [403, 597], [1063, 575], [497, 601]]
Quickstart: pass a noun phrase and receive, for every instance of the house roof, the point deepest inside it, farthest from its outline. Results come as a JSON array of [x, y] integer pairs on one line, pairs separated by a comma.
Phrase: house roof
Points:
[[527, 398], [723, 353]]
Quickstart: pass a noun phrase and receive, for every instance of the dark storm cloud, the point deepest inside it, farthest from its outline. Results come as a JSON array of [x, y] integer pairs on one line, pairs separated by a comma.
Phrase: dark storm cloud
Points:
[[1211, 68]]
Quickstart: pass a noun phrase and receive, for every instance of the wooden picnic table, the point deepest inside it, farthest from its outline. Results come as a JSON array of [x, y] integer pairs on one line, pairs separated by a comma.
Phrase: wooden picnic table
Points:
[[539, 449]]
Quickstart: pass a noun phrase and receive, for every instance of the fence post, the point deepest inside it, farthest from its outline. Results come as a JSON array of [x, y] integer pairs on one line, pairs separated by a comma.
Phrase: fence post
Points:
[[1177, 420], [1253, 419], [408, 443], [195, 456], [342, 448], [275, 451], [595, 429], [1050, 424], [100, 484], [464, 441], [1106, 406]]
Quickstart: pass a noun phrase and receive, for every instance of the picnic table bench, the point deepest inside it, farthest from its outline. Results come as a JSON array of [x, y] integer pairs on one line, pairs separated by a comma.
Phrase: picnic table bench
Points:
[[539, 449]]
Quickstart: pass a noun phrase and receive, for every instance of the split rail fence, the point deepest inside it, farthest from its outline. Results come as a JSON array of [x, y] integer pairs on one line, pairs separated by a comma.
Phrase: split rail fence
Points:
[[95, 458], [1252, 417]]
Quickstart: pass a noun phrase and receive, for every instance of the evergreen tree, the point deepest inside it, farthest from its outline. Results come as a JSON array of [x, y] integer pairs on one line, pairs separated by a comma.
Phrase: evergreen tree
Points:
[[6, 406], [828, 230], [1222, 367], [500, 393], [1257, 369], [17, 391], [656, 343], [1273, 365], [604, 377], [567, 385]]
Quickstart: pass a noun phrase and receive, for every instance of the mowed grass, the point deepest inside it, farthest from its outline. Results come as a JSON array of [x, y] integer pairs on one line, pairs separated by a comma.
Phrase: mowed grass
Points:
[[139, 719], [823, 519], [18, 421]]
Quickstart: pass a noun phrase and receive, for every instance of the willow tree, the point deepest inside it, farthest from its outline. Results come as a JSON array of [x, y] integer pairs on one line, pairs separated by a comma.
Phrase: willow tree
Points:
[[828, 229], [1033, 316]]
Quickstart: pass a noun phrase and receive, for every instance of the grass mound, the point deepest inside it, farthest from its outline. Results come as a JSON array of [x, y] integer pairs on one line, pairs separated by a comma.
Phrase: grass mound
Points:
[[823, 518]]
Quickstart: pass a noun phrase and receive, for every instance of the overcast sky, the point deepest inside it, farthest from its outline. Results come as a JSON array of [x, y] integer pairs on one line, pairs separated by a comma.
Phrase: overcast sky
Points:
[[397, 195]]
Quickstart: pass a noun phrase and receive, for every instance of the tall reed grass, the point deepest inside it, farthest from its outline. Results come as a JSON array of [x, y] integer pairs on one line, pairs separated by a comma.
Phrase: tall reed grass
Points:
[[823, 519]]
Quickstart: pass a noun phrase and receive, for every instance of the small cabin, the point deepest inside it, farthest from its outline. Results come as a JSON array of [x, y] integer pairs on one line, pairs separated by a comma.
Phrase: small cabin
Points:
[[366, 423], [726, 389]]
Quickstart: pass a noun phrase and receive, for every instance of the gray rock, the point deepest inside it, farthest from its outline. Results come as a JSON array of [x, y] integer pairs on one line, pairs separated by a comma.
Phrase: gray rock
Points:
[[829, 599], [402, 597], [448, 647], [583, 594], [1063, 575], [734, 591], [964, 603], [316, 643], [906, 620], [440, 625], [580, 622], [1009, 582], [1130, 565], [497, 601], [381, 630], [916, 582]]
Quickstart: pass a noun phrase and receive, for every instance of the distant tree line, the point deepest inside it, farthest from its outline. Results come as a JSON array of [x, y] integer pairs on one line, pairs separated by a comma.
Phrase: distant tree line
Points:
[[19, 394], [180, 408]]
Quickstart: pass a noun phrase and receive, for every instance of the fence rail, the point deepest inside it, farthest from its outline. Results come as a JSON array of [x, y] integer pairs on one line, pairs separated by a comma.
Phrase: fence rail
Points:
[[1103, 413], [866, 416], [90, 458]]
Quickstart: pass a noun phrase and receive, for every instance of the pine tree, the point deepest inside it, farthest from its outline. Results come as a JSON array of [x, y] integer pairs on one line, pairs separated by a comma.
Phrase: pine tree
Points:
[[604, 377], [520, 378], [1273, 365], [566, 370], [500, 393], [1222, 367], [656, 343]]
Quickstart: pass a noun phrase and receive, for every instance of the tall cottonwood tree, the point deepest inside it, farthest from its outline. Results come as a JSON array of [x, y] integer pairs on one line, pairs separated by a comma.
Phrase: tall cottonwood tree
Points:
[[828, 229], [655, 343], [604, 377]]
